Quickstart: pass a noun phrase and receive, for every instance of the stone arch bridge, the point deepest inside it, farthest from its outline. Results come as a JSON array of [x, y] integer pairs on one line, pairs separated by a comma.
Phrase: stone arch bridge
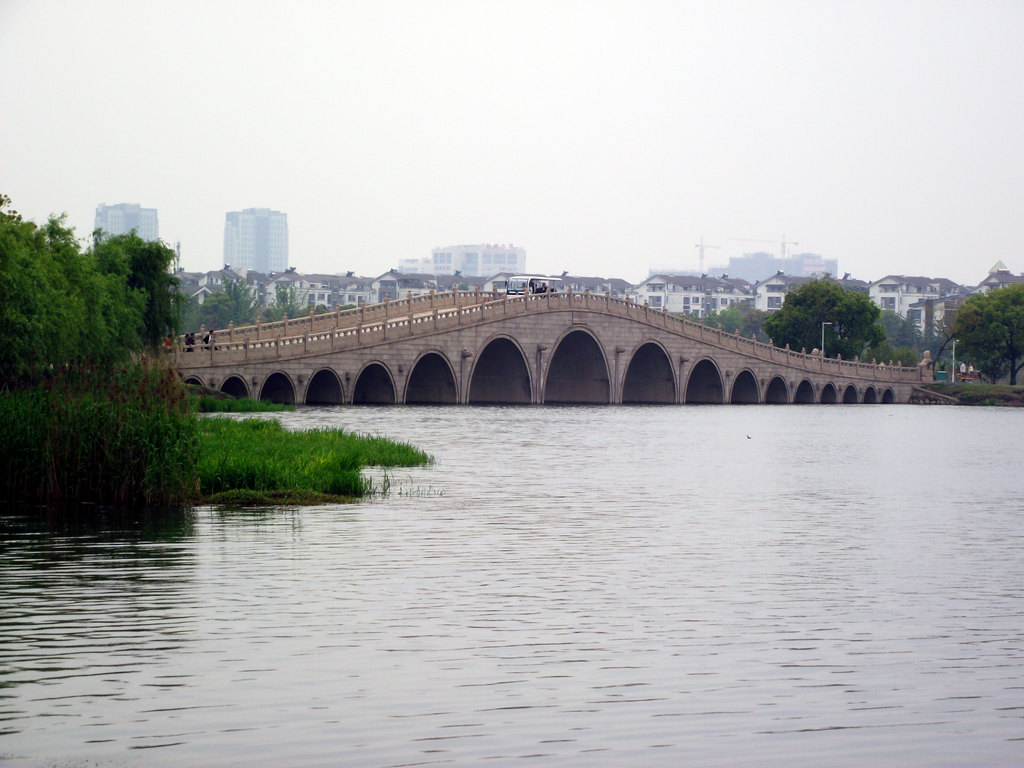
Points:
[[467, 347]]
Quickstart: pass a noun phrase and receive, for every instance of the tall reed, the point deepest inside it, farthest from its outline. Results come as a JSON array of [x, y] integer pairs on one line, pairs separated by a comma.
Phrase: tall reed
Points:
[[124, 436]]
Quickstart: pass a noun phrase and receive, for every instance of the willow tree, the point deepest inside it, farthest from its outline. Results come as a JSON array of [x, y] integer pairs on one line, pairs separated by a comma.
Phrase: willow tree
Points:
[[145, 267], [58, 309]]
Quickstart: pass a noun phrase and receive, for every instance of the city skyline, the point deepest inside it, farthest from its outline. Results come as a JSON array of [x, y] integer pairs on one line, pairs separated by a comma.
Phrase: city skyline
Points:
[[607, 138]]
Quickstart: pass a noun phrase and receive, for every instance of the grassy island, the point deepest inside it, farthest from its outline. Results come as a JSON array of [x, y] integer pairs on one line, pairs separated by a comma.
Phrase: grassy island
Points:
[[257, 461]]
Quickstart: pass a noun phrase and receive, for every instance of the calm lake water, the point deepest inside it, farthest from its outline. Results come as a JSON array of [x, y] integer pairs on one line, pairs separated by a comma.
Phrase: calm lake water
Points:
[[618, 586]]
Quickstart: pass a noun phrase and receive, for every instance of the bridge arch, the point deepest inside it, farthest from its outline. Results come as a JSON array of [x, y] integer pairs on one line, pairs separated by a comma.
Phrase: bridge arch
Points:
[[500, 374], [777, 391], [870, 395], [649, 377], [577, 371], [850, 395], [704, 384], [194, 380], [278, 388], [829, 395], [744, 388], [325, 388], [804, 393], [431, 381], [888, 397], [374, 386], [235, 386]]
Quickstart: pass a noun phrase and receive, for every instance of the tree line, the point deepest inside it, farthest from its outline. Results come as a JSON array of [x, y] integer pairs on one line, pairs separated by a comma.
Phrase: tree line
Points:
[[64, 306], [988, 328], [236, 302]]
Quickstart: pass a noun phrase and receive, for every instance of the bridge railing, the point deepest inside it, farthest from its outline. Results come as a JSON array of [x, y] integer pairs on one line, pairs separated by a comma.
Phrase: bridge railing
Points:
[[432, 312]]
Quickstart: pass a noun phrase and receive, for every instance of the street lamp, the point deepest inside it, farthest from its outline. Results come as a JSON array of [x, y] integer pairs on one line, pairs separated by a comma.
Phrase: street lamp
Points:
[[823, 337]]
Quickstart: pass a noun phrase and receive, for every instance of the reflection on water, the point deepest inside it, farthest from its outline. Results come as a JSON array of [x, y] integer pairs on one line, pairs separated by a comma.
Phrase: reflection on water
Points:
[[566, 586]]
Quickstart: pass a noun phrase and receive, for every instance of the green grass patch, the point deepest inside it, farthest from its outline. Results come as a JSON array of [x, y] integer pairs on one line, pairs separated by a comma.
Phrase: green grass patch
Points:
[[207, 404], [259, 456]]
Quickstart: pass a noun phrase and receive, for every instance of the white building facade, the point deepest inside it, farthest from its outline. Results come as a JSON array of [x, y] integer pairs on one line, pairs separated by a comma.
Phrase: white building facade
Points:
[[695, 296], [899, 293]]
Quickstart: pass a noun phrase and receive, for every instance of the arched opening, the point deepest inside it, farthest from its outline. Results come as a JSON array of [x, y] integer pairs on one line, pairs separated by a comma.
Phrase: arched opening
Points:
[[804, 393], [744, 389], [234, 386], [374, 386], [705, 385], [649, 377], [324, 389], [776, 392], [870, 396], [850, 395], [500, 375], [888, 397], [431, 382], [577, 373], [278, 389], [193, 380], [829, 395]]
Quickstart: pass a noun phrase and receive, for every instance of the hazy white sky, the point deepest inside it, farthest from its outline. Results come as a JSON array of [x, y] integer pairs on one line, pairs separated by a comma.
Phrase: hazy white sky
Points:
[[603, 137]]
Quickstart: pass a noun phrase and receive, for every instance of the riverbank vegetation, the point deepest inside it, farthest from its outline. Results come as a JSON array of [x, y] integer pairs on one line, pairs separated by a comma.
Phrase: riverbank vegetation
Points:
[[123, 435], [979, 393], [130, 436], [91, 411]]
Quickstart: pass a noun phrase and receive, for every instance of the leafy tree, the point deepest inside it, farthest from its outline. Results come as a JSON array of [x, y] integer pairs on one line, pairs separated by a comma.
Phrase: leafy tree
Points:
[[58, 308], [903, 343], [287, 301], [885, 352], [235, 302], [900, 332], [242, 301], [990, 328], [740, 318], [943, 332], [852, 314], [145, 266]]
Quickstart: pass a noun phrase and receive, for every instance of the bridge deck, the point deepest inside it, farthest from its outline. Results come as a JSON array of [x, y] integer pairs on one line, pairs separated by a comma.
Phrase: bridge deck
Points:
[[441, 312]]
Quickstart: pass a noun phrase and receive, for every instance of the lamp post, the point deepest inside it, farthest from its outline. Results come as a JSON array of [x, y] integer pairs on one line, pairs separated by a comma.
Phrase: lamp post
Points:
[[823, 337], [952, 368]]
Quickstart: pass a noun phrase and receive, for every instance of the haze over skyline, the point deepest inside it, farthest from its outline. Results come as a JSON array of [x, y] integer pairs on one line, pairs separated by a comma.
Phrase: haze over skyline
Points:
[[603, 137]]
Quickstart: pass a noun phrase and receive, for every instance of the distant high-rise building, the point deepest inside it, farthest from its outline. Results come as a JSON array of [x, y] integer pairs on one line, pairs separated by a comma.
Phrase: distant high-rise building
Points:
[[760, 266], [122, 218], [256, 239], [476, 260]]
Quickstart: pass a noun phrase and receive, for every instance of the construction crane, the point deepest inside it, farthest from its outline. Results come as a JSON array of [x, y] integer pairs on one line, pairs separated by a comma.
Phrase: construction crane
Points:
[[700, 249], [783, 243]]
